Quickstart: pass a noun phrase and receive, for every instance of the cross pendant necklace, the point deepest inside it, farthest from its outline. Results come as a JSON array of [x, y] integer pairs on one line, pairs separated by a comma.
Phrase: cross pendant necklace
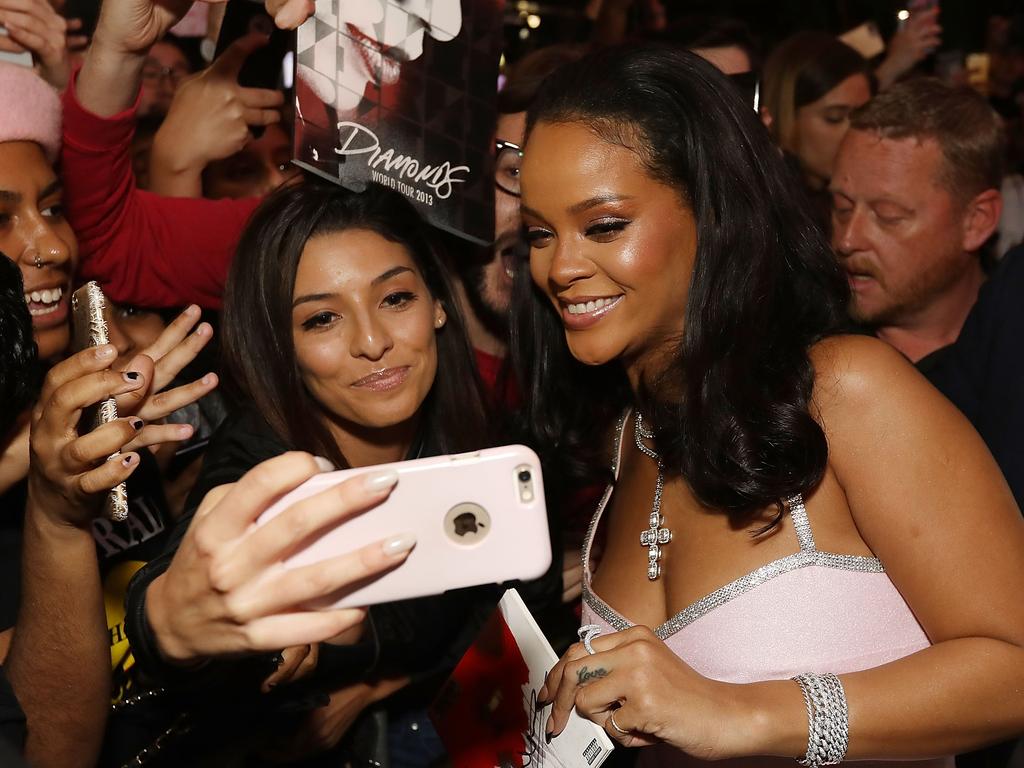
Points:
[[656, 535]]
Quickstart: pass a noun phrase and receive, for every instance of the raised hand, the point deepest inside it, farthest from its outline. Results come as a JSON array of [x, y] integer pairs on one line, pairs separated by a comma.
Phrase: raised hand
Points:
[[33, 25], [225, 591], [132, 26], [111, 75], [68, 472], [209, 120], [158, 364], [919, 37]]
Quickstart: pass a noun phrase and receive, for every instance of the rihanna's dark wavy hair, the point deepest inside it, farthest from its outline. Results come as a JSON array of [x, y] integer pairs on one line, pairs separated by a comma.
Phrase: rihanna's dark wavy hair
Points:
[[765, 287], [259, 352]]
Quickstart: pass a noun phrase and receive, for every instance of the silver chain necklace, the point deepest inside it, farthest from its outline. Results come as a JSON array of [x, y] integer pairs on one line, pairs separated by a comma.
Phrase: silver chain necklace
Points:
[[656, 535]]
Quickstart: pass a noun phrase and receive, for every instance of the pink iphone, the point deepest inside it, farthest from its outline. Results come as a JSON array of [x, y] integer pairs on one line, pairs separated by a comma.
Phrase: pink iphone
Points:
[[478, 518]]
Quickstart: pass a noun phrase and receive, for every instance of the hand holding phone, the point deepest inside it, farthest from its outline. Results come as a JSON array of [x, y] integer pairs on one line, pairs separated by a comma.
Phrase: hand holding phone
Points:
[[69, 472], [478, 518], [225, 591]]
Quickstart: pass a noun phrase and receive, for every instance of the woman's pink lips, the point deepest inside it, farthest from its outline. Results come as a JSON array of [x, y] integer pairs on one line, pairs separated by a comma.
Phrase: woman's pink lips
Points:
[[383, 380], [586, 320]]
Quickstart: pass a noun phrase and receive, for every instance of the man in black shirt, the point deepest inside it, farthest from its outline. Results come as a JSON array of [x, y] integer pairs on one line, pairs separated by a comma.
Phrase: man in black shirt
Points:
[[915, 198], [983, 371]]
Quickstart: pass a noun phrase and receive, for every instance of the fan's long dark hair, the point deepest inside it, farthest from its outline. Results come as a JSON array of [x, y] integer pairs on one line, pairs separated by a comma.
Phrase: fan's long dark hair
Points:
[[259, 353], [765, 287]]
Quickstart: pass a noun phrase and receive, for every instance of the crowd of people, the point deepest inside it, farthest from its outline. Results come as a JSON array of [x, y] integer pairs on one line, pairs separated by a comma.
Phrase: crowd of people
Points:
[[758, 311]]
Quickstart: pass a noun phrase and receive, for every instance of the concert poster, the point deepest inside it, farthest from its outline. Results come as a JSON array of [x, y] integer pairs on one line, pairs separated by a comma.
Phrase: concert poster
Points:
[[402, 93]]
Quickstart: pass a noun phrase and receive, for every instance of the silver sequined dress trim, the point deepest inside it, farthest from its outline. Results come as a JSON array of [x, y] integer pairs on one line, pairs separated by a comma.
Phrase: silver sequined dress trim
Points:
[[807, 556]]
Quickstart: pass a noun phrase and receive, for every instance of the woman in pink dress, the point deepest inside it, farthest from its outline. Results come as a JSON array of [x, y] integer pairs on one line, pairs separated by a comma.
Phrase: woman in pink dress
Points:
[[808, 552]]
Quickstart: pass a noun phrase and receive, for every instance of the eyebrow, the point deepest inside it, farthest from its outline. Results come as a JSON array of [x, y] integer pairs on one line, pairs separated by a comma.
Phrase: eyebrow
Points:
[[13, 198], [593, 202], [389, 274], [383, 277], [312, 297], [584, 205]]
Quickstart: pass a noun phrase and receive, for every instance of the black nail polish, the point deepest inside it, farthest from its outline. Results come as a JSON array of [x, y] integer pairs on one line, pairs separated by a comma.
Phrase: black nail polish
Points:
[[136, 424], [132, 375]]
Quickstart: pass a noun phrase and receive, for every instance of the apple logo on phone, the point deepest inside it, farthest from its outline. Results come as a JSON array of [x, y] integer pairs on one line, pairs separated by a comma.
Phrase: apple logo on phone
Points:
[[467, 523]]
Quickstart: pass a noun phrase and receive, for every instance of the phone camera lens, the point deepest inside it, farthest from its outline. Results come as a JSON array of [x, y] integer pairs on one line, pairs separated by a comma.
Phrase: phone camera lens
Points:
[[524, 476]]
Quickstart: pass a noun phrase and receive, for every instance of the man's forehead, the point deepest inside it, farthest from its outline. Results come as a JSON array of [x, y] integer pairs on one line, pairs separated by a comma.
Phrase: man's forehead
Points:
[[868, 158]]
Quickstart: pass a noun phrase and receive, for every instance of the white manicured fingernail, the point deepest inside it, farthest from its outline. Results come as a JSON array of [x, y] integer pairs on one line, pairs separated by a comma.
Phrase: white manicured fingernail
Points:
[[380, 481], [324, 464], [399, 545]]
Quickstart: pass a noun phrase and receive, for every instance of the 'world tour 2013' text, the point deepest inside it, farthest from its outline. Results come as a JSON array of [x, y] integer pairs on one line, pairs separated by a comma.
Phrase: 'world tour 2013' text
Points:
[[356, 139]]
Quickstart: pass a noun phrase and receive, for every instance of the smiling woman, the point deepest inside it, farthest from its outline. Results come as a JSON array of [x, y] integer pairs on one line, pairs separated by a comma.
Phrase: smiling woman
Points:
[[357, 316], [797, 526], [34, 232], [341, 338]]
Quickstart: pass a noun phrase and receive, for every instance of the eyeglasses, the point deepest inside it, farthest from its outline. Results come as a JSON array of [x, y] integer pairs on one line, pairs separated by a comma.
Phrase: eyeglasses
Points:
[[508, 159], [155, 74]]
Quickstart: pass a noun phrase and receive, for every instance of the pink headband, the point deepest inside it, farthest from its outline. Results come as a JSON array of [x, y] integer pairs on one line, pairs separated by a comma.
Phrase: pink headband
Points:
[[32, 111]]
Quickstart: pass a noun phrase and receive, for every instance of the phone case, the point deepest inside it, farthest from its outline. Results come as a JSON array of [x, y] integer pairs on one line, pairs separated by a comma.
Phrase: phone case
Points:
[[479, 518], [89, 326]]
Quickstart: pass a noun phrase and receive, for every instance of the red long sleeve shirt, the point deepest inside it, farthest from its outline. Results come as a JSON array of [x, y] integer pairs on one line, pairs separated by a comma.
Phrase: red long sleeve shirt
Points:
[[145, 249]]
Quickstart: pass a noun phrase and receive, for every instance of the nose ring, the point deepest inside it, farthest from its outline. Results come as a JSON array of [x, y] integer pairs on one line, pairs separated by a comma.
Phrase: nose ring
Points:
[[36, 259]]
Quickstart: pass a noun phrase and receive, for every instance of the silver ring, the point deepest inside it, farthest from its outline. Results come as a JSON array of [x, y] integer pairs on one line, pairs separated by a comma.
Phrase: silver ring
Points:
[[587, 633], [611, 719]]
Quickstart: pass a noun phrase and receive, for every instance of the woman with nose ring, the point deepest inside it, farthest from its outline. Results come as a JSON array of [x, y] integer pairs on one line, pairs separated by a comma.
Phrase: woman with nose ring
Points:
[[37, 238]]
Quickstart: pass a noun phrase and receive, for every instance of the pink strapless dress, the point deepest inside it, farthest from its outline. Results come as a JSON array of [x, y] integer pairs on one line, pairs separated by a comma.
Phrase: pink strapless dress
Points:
[[811, 611]]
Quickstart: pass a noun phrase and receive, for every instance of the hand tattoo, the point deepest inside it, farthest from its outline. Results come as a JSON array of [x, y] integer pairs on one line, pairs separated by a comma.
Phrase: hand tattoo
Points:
[[587, 674]]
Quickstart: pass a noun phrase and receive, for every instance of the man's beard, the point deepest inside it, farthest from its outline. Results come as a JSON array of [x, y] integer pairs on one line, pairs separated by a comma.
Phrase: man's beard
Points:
[[476, 276], [906, 301]]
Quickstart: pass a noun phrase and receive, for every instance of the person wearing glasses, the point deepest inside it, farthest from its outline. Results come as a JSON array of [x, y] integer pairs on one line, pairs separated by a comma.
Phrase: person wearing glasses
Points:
[[486, 277], [165, 68]]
